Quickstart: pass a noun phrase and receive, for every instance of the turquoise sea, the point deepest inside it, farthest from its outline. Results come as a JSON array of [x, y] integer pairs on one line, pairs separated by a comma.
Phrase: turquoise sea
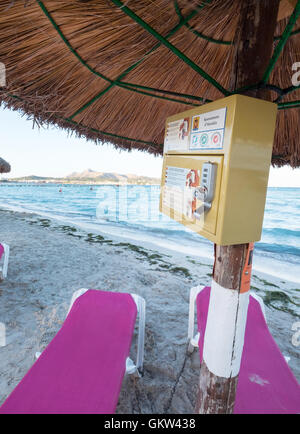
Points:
[[132, 212]]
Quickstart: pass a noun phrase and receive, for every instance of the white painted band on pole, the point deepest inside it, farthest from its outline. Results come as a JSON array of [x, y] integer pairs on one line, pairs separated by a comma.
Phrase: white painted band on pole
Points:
[[225, 330]]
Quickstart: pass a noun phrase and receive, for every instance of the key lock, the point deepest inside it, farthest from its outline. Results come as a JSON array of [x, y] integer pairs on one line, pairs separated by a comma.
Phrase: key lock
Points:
[[205, 192]]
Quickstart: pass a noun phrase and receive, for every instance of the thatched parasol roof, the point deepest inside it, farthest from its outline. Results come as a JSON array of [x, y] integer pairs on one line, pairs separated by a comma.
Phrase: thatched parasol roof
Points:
[[4, 166], [113, 71]]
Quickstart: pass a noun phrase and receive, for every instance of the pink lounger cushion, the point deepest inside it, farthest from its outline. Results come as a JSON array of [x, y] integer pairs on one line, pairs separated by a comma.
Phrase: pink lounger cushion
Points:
[[1, 250], [266, 383], [82, 369]]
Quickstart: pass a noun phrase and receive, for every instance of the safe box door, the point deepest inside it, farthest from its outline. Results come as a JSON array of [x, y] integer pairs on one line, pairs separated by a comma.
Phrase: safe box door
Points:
[[190, 190]]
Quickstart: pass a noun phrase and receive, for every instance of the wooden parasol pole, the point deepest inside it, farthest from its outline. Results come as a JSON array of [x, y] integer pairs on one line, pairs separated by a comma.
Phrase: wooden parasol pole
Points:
[[224, 337]]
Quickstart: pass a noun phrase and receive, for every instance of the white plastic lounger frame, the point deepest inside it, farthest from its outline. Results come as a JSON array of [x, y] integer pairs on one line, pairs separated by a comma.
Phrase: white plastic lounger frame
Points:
[[4, 267], [131, 367], [194, 339]]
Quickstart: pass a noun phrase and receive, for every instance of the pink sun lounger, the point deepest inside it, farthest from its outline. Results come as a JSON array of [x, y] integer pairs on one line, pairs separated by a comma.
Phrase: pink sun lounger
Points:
[[266, 384], [82, 369], [4, 255]]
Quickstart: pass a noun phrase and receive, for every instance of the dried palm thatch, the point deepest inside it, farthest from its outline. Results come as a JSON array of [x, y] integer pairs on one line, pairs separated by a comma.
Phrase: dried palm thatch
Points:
[[4, 166], [94, 68]]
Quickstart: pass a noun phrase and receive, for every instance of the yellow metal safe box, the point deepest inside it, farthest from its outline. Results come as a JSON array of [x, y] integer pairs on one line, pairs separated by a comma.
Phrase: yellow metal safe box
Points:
[[216, 167]]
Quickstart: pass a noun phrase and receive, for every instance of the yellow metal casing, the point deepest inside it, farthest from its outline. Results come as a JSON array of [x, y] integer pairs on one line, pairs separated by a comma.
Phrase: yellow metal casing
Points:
[[236, 135]]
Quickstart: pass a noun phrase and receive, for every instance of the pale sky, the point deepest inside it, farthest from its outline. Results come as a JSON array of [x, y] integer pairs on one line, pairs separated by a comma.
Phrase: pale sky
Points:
[[51, 152]]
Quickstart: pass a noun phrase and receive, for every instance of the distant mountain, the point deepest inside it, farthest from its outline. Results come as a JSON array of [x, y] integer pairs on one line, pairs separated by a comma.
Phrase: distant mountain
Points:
[[109, 177], [89, 173], [91, 177]]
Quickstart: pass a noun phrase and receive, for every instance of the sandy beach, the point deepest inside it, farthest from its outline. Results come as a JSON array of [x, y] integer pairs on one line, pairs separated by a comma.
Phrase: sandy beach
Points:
[[49, 261]]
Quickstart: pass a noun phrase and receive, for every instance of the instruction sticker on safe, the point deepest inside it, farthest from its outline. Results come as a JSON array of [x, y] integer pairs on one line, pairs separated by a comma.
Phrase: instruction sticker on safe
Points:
[[208, 130], [177, 135], [179, 190]]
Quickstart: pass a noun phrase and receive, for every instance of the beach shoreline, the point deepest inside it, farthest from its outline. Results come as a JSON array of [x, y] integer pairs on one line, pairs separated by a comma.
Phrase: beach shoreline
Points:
[[50, 260]]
